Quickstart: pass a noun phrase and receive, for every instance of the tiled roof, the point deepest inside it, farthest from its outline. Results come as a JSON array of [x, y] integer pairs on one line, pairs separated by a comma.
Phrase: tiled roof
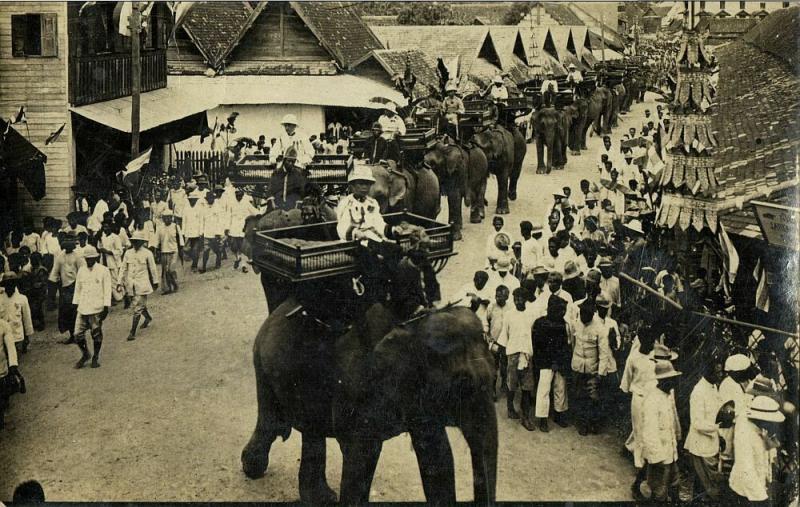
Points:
[[561, 13], [446, 42], [743, 222], [545, 62], [492, 13], [560, 36], [379, 20], [422, 66], [339, 29], [736, 26], [778, 35], [216, 27]]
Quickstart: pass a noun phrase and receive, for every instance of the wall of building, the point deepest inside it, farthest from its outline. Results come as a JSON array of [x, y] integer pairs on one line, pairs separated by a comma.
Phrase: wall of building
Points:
[[40, 84]]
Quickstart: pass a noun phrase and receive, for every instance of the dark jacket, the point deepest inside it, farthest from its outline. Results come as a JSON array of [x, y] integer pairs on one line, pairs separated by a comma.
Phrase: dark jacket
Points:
[[295, 184], [550, 345], [379, 148], [408, 292]]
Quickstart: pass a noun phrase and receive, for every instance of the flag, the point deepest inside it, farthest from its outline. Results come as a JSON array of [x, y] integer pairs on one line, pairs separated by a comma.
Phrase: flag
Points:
[[132, 175], [85, 6], [20, 116], [730, 257], [53, 137], [122, 15], [215, 133], [762, 290]]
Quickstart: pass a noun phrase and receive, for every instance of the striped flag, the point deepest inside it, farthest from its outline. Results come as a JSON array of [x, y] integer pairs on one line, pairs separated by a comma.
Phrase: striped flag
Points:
[[762, 290], [53, 137], [730, 257], [20, 117]]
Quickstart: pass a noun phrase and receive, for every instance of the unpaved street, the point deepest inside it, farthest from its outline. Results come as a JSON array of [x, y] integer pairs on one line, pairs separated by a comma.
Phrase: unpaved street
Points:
[[165, 417]]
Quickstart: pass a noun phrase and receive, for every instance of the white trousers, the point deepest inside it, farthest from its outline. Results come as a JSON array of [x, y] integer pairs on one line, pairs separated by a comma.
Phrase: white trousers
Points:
[[548, 378]]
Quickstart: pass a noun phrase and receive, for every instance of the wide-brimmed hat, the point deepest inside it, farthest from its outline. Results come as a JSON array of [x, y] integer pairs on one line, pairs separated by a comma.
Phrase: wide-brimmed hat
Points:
[[761, 386], [593, 276], [602, 301], [503, 264], [361, 172], [540, 270], [497, 80], [571, 270], [590, 197], [289, 119], [9, 278], [195, 194], [451, 87], [389, 106], [90, 252], [502, 240], [559, 193], [635, 226], [737, 362], [664, 370], [662, 353], [764, 408], [572, 66], [167, 213], [139, 236], [605, 263]]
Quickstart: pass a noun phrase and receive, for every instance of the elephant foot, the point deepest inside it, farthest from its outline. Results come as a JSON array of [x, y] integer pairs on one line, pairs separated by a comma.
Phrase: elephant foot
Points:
[[475, 218], [502, 209], [254, 463], [512, 196], [321, 494], [457, 235], [574, 153], [541, 170]]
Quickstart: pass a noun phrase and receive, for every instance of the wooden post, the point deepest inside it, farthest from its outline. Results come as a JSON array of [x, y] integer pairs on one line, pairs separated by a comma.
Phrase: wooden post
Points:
[[602, 37], [136, 77]]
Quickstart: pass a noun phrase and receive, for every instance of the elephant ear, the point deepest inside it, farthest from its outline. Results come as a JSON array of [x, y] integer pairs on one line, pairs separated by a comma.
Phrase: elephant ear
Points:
[[398, 187], [449, 332]]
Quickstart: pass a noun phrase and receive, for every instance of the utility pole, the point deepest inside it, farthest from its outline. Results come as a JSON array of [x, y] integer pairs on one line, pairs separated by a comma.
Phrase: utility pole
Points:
[[136, 76], [602, 37]]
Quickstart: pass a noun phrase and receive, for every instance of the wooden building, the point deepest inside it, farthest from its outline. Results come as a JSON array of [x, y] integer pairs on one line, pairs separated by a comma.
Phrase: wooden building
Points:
[[267, 59]]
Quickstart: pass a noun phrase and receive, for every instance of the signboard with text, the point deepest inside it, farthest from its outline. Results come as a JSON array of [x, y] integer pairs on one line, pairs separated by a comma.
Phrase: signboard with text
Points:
[[778, 223]]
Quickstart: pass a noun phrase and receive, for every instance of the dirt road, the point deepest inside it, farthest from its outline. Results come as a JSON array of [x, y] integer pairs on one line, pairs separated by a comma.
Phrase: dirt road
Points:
[[166, 416]]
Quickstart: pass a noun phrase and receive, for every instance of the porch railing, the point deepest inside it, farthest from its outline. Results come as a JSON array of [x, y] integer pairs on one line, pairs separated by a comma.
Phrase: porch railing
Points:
[[105, 77]]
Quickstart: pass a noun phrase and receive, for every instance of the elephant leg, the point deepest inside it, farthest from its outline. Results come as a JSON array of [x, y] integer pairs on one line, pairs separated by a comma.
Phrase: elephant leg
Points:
[[502, 191], [314, 488], [454, 198], [255, 455], [481, 200], [436, 467], [480, 432], [541, 167], [359, 460]]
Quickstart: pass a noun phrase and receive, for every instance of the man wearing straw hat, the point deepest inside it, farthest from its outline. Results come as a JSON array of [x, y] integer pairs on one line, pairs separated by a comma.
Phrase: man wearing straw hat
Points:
[[661, 432], [169, 240], [93, 298], [138, 273], [755, 436], [391, 123], [452, 105], [359, 215], [292, 137]]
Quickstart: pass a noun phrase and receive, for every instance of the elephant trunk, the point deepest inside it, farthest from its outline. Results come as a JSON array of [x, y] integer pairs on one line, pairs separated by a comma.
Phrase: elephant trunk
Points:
[[465, 182]]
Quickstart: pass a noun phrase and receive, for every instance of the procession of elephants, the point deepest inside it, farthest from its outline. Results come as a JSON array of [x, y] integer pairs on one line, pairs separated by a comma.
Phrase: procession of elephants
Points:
[[373, 380]]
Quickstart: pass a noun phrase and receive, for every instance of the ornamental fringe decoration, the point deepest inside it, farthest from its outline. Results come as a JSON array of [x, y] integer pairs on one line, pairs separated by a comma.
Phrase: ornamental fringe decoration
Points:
[[687, 212], [691, 132], [697, 173], [694, 91], [692, 51]]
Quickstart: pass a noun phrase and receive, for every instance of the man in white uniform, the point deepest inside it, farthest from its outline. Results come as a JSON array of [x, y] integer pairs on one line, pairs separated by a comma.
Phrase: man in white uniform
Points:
[[292, 137]]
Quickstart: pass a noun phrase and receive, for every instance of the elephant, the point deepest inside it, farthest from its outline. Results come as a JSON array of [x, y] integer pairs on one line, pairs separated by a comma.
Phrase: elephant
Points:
[[520, 150], [398, 189], [599, 111], [549, 131], [499, 146], [462, 171], [578, 112], [369, 384], [617, 97]]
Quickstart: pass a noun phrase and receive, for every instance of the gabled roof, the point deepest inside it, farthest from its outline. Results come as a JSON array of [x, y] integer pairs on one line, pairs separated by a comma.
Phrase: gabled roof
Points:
[[778, 35], [339, 29], [560, 12], [449, 42], [560, 36], [727, 26], [544, 62], [513, 52], [595, 25], [379, 20], [216, 28]]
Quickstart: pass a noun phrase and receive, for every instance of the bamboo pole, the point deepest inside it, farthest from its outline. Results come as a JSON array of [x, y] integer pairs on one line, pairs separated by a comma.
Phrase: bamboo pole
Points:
[[726, 320]]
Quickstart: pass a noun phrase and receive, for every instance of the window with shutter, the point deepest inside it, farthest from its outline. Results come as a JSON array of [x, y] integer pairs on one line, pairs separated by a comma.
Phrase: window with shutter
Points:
[[34, 35], [49, 33]]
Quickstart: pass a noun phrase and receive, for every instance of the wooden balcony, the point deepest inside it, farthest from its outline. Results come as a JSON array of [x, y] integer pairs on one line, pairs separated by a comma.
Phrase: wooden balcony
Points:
[[105, 77]]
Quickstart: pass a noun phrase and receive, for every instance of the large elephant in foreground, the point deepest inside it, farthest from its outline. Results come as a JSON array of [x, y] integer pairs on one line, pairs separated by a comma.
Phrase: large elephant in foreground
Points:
[[500, 146], [462, 173], [398, 189], [550, 131], [599, 111], [617, 98], [370, 384], [578, 111]]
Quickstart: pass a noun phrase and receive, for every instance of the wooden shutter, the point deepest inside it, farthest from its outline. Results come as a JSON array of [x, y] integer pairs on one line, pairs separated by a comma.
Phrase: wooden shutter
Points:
[[18, 32], [49, 34]]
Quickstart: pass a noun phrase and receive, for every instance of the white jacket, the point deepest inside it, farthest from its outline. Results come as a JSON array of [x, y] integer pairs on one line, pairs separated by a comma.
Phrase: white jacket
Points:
[[751, 471], [703, 437], [660, 427]]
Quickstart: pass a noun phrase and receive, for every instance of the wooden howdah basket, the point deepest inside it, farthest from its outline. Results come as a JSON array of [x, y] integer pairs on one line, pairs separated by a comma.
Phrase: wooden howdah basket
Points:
[[275, 254], [323, 170]]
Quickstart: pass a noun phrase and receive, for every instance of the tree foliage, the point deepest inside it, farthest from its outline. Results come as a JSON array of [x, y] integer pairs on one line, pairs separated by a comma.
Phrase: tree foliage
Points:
[[428, 13], [517, 12]]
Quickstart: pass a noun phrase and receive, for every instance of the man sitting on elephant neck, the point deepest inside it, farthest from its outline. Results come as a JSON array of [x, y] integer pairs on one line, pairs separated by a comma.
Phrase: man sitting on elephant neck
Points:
[[379, 148], [287, 184]]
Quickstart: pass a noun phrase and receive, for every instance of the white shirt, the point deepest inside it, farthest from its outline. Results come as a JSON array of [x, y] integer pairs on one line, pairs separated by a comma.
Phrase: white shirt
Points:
[[214, 221], [8, 351], [239, 211], [546, 85], [50, 244], [610, 287], [92, 289], [96, 219], [610, 366], [16, 311], [532, 253], [179, 201], [518, 332], [495, 280], [499, 92], [138, 268], [305, 152], [703, 436], [193, 221], [392, 126], [752, 471], [660, 427], [354, 214], [32, 241], [464, 298], [639, 375]]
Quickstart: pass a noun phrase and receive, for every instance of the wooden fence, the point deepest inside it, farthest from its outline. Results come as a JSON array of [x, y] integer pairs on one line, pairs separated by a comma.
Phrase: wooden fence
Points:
[[211, 163]]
